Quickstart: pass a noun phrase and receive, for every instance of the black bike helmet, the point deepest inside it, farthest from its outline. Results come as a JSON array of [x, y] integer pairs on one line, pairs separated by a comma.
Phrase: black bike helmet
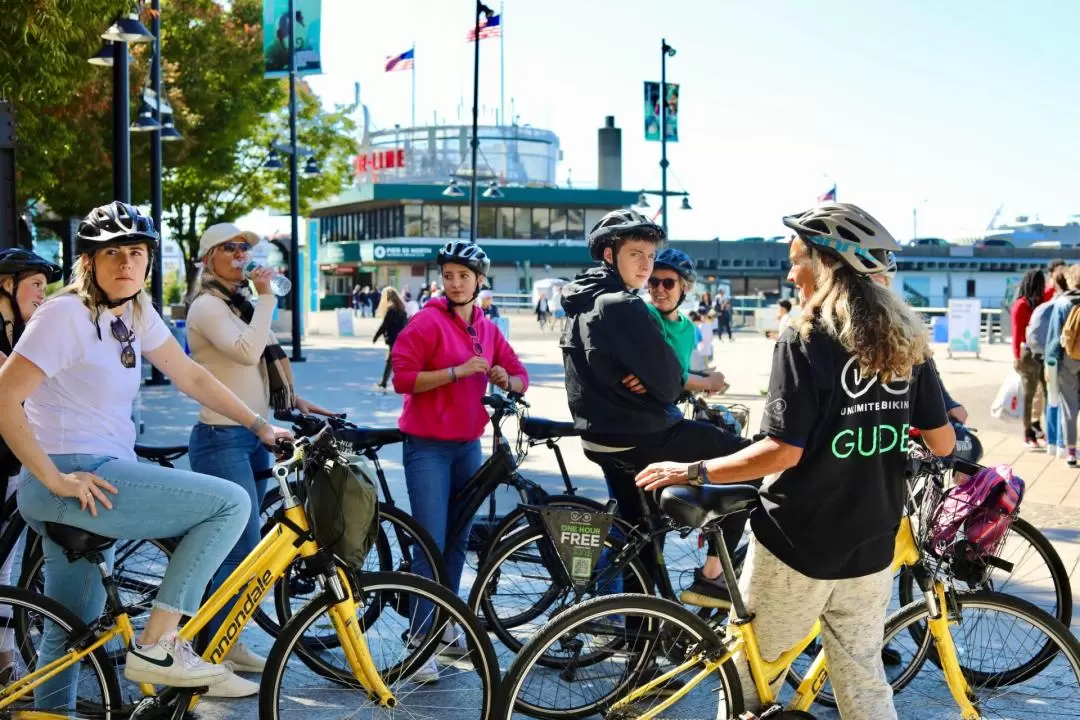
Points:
[[19, 262], [463, 252], [678, 261], [115, 224], [621, 223], [846, 232]]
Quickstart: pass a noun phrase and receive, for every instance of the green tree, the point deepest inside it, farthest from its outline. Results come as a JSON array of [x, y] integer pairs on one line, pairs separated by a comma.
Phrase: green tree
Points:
[[229, 115], [61, 102]]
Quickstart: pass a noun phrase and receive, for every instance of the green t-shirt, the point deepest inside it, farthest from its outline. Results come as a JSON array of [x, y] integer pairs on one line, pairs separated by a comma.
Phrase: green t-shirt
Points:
[[679, 334]]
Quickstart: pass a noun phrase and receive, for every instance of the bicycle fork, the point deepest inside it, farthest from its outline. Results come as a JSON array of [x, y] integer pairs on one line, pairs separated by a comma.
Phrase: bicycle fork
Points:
[[938, 622], [343, 614]]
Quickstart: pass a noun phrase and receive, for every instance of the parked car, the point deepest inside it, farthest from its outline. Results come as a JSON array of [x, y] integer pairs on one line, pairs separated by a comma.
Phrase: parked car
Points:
[[994, 242], [928, 241]]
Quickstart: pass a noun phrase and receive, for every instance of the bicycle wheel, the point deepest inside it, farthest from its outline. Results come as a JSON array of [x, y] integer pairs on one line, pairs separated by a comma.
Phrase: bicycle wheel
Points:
[[399, 536], [464, 688], [656, 635], [25, 614], [519, 588], [991, 626], [138, 567], [1038, 576]]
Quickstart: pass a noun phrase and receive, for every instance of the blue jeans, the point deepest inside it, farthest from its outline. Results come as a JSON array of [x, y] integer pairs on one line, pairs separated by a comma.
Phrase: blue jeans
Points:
[[235, 454], [435, 472], [152, 502]]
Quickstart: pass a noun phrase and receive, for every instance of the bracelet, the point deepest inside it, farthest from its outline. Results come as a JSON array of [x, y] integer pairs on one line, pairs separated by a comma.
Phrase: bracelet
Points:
[[258, 424], [453, 375]]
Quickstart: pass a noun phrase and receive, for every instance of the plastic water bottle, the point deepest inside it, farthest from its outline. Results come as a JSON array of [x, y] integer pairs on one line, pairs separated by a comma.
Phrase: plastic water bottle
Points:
[[279, 284]]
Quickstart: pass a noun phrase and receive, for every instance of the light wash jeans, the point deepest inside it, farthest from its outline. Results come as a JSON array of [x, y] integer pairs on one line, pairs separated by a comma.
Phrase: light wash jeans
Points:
[[435, 472], [235, 454], [207, 513]]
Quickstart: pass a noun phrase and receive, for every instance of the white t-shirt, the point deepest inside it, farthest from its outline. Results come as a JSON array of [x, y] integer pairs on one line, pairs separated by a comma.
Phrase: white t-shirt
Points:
[[84, 404]]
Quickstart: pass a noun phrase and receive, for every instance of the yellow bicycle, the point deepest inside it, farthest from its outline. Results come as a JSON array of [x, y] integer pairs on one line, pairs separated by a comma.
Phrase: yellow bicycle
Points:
[[637, 657], [377, 633]]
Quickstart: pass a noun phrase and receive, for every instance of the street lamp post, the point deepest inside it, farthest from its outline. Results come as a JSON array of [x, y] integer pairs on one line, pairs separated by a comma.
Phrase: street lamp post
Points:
[[121, 118], [915, 220], [156, 200], [666, 51], [474, 198], [294, 195]]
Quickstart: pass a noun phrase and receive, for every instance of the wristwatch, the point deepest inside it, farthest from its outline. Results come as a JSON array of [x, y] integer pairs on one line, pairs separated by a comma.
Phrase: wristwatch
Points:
[[696, 474]]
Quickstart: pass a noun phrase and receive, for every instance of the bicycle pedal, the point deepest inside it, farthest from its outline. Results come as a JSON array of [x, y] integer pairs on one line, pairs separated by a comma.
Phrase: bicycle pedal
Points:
[[171, 704], [777, 712]]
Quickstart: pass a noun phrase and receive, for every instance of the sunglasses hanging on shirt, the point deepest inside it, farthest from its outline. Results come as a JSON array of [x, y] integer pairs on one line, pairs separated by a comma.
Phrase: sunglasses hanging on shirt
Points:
[[476, 346], [125, 337]]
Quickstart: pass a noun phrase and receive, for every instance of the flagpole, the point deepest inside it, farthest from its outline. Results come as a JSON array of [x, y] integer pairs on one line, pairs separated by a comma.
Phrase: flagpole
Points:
[[413, 119], [502, 72]]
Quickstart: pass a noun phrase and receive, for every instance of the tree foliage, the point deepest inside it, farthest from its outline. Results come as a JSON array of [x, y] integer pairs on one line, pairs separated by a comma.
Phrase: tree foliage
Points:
[[212, 73]]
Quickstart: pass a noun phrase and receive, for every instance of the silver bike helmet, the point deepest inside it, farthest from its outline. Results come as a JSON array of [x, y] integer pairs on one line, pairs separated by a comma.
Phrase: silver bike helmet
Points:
[[846, 232]]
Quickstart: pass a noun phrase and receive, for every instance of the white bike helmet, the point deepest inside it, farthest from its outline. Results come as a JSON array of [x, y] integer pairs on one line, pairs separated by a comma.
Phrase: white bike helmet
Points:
[[847, 232]]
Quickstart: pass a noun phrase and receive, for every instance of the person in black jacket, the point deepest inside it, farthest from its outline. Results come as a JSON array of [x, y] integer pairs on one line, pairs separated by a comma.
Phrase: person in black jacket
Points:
[[610, 335], [392, 310]]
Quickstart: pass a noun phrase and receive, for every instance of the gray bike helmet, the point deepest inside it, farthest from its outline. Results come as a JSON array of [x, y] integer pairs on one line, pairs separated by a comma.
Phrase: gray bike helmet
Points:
[[846, 232], [463, 252], [115, 224], [678, 261], [621, 223]]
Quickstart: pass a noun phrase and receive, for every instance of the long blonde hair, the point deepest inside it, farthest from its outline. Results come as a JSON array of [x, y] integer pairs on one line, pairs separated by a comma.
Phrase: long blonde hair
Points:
[[870, 321], [390, 297], [82, 285]]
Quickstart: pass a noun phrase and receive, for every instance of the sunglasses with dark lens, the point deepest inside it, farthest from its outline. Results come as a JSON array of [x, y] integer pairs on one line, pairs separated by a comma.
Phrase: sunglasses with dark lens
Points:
[[231, 247], [476, 346], [125, 337], [668, 283]]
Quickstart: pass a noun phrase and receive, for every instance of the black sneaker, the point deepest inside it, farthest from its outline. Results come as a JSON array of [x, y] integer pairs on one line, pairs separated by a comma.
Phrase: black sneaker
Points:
[[1037, 428], [705, 592], [890, 656]]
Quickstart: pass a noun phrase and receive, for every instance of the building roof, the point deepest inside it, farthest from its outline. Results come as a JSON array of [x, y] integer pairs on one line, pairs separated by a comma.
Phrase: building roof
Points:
[[360, 197]]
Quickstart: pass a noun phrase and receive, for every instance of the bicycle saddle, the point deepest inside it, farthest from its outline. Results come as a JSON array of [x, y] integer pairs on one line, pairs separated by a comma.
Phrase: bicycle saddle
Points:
[[541, 429], [696, 507], [156, 453], [76, 542]]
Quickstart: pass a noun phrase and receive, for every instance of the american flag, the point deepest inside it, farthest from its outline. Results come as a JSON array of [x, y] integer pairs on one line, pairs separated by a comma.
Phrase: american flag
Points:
[[828, 196], [489, 27], [404, 61]]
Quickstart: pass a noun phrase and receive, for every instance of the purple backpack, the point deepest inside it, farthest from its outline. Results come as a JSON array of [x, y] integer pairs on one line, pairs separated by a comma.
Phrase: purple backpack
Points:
[[983, 507]]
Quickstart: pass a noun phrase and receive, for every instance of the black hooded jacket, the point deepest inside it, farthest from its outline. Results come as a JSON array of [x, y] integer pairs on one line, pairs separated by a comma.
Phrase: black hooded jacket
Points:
[[610, 334]]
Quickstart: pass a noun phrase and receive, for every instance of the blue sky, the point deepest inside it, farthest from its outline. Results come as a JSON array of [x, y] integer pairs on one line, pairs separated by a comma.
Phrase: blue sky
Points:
[[962, 104]]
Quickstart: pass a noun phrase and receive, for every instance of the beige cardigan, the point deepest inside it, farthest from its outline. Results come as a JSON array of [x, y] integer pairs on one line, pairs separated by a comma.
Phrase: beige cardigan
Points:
[[232, 350]]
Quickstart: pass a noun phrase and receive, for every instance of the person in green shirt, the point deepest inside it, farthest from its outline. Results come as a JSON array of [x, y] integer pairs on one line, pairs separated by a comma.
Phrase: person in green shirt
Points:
[[672, 277]]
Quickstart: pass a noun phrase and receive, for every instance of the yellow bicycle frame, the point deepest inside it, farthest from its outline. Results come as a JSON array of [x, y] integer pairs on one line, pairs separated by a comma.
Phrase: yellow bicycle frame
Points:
[[256, 576], [741, 637]]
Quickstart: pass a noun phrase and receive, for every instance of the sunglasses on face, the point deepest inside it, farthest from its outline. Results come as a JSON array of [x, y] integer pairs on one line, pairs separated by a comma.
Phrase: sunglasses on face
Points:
[[232, 247], [668, 283], [477, 348], [125, 337]]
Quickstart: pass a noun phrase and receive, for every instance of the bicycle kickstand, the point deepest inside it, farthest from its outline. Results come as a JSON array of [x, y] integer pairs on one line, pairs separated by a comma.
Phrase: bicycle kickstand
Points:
[[171, 704]]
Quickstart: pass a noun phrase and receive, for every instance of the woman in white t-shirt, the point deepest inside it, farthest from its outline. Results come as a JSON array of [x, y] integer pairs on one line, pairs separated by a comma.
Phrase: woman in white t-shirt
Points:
[[77, 367]]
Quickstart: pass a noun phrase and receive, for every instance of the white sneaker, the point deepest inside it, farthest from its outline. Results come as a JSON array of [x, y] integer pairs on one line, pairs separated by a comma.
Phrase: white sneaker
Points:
[[244, 660], [171, 662], [452, 644], [234, 686], [428, 673]]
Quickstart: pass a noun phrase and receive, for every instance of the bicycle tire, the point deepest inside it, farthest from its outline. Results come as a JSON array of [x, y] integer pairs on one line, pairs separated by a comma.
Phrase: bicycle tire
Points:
[[1057, 633], [480, 601], [450, 608], [1062, 587], [283, 597], [609, 605], [102, 664]]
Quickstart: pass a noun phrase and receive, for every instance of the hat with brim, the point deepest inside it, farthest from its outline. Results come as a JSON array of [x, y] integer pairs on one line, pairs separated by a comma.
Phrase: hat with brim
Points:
[[222, 233]]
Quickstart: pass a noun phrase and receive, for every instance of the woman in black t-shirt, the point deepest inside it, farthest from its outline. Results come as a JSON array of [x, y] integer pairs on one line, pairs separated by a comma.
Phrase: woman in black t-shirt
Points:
[[849, 379]]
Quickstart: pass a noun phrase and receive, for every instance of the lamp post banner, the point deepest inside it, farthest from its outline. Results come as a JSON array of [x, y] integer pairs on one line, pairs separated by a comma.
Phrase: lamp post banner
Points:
[[276, 37], [652, 111]]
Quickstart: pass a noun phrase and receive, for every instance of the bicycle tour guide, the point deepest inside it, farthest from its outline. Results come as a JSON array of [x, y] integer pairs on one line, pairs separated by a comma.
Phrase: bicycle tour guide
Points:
[[849, 378], [77, 367]]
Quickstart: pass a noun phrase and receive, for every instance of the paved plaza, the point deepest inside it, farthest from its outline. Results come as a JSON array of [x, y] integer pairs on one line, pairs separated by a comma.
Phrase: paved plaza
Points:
[[340, 373]]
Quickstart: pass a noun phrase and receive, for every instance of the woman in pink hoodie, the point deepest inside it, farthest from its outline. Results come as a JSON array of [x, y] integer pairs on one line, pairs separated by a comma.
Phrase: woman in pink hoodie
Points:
[[442, 363]]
